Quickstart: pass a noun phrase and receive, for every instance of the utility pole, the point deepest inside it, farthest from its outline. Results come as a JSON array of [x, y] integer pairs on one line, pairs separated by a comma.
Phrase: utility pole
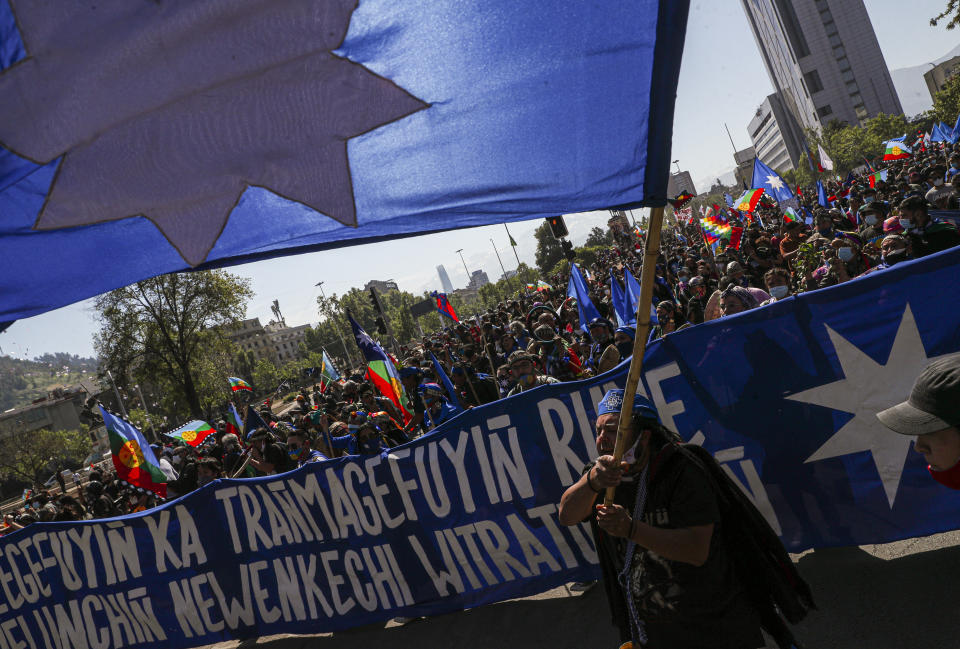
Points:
[[336, 327], [146, 412]]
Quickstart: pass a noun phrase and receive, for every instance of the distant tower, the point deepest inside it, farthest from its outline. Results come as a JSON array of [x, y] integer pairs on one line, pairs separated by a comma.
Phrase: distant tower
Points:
[[444, 279]]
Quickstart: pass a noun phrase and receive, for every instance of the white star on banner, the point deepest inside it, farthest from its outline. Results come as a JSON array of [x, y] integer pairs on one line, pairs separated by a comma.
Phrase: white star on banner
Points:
[[866, 389], [774, 182]]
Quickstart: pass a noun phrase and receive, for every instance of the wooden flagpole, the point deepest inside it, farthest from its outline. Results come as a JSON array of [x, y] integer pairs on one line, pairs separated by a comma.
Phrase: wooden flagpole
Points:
[[650, 253]]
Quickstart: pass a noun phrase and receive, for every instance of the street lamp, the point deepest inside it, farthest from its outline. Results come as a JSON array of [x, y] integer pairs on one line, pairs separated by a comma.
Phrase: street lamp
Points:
[[336, 327], [460, 252], [677, 162]]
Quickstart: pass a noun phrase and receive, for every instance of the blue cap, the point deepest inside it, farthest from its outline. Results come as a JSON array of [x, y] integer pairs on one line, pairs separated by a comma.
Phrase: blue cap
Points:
[[630, 331], [613, 400], [410, 371]]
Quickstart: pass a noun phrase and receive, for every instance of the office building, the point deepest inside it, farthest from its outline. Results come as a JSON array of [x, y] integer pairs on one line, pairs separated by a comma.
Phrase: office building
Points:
[[823, 59], [937, 76], [744, 161], [680, 182], [477, 279], [274, 342], [775, 135], [382, 286], [444, 279]]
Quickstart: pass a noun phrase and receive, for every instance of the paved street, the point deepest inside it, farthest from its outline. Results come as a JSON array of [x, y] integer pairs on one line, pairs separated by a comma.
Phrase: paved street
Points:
[[876, 597]]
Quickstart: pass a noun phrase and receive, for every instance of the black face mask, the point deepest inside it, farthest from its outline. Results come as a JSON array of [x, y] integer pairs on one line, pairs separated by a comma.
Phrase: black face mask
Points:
[[625, 348]]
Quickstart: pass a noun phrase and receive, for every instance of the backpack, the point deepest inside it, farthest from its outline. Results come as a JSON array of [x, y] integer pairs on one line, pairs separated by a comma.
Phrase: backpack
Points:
[[772, 583]]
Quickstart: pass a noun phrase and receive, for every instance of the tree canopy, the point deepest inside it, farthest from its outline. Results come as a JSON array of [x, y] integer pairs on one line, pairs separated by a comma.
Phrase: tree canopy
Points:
[[171, 332], [28, 457]]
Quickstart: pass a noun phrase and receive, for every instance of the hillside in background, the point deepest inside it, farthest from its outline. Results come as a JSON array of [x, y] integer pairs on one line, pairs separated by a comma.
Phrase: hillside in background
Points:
[[22, 381], [912, 89]]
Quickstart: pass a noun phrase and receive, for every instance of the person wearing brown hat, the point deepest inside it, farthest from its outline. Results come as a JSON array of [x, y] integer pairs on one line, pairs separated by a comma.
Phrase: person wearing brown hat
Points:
[[932, 413]]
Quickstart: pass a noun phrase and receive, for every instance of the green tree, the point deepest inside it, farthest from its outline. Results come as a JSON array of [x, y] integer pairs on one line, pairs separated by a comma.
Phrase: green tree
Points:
[[265, 376], [549, 250], [951, 14], [32, 457], [599, 237], [946, 103], [171, 331]]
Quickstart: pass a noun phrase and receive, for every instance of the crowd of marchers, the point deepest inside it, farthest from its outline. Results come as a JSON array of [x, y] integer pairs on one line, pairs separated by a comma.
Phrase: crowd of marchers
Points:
[[537, 336]]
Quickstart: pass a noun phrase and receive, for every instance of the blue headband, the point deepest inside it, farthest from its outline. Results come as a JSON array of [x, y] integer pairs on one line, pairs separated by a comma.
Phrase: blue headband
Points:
[[613, 400]]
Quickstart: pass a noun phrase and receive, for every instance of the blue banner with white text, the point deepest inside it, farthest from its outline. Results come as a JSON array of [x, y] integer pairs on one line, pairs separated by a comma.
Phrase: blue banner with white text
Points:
[[785, 397]]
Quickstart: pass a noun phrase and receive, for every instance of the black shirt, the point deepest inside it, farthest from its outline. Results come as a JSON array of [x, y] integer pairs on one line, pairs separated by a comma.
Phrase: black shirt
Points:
[[683, 605]]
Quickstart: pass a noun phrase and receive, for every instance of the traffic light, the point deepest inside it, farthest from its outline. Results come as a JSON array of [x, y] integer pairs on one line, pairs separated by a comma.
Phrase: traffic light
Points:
[[557, 227], [375, 300], [381, 325], [568, 250]]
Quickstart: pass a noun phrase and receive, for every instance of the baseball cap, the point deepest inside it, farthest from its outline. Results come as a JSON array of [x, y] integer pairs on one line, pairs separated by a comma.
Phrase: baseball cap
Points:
[[934, 402]]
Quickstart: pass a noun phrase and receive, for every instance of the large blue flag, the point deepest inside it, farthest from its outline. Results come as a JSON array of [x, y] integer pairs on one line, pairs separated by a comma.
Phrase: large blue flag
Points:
[[822, 195], [141, 138], [577, 289], [770, 180]]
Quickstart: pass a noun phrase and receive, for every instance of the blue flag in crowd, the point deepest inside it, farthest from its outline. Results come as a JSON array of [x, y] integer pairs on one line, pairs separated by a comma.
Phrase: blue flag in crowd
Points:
[[339, 133], [822, 195], [577, 289], [618, 298], [938, 134], [728, 198], [902, 138], [770, 180], [956, 127], [253, 421], [633, 295], [807, 215], [446, 382]]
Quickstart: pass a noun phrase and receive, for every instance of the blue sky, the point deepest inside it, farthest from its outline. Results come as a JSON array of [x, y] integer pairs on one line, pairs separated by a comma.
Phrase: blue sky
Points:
[[722, 80]]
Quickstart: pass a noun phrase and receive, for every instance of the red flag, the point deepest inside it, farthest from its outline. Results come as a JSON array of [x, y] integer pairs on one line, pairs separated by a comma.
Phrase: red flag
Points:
[[736, 235]]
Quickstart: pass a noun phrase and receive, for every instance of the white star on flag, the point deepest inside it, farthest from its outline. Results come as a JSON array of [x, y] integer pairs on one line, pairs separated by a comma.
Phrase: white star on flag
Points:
[[867, 388], [774, 182]]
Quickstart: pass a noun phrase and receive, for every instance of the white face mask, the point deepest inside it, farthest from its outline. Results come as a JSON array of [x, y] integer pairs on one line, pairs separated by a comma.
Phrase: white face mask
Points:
[[938, 182], [870, 219], [845, 254], [868, 199], [780, 291], [906, 224]]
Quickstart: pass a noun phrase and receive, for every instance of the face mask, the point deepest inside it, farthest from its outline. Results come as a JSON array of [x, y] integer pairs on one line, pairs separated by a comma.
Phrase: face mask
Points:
[[826, 232], [894, 256], [869, 199], [625, 348], [906, 224], [949, 478], [504, 383], [368, 446], [955, 165], [870, 219], [201, 480], [779, 292], [602, 339], [845, 254], [937, 182]]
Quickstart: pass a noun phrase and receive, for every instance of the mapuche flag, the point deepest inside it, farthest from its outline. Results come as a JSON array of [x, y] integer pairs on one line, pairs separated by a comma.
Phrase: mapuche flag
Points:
[[748, 201], [239, 384], [328, 373], [444, 306], [380, 368], [192, 432], [896, 151], [132, 456], [234, 421]]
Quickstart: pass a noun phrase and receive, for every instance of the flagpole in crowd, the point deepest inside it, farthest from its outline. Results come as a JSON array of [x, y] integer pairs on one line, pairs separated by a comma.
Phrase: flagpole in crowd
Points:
[[513, 244], [650, 253], [336, 327]]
